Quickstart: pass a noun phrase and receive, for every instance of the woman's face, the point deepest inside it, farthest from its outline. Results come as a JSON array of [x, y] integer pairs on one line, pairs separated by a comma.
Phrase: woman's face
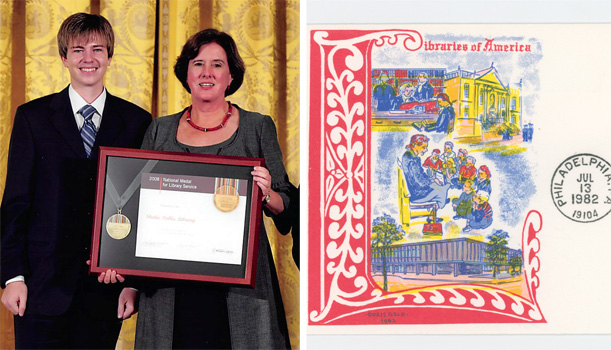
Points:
[[420, 149], [208, 73]]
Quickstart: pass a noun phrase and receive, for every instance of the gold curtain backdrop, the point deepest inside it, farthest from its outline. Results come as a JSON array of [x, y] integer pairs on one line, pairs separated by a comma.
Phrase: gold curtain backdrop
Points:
[[149, 35]]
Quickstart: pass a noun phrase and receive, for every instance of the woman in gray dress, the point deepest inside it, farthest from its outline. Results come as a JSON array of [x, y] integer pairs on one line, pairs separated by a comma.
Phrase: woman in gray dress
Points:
[[199, 315]]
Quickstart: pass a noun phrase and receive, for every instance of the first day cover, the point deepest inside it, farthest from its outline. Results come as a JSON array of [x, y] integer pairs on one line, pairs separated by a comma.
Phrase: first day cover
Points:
[[459, 179]]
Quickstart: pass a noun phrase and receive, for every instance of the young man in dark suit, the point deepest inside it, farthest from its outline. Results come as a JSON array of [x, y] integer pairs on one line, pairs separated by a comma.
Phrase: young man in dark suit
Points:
[[47, 209]]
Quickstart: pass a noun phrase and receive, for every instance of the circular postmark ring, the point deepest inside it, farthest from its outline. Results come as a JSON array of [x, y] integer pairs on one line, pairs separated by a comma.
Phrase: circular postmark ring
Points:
[[581, 188]]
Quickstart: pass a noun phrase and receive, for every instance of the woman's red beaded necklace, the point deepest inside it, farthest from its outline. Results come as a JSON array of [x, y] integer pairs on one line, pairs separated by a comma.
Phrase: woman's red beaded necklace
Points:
[[195, 126]]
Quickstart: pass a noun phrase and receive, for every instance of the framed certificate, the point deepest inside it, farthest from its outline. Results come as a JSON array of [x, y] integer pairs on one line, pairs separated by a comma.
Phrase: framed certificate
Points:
[[176, 216]]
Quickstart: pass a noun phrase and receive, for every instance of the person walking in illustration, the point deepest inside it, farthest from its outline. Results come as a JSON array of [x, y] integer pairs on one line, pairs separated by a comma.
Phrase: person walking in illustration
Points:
[[527, 132]]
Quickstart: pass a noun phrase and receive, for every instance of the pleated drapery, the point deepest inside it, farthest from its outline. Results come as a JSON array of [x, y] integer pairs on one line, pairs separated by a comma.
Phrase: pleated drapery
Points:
[[149, 35]]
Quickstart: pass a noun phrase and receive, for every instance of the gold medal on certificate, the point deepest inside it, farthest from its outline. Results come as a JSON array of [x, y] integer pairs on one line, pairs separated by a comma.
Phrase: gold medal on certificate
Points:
[[118, 226], [226, 197]]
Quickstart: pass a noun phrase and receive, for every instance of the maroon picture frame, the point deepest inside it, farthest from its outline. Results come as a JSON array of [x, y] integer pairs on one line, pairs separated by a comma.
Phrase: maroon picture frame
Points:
[[120, 255]]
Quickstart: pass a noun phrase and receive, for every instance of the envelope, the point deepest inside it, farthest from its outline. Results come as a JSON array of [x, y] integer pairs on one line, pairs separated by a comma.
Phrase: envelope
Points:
[[459, 179]]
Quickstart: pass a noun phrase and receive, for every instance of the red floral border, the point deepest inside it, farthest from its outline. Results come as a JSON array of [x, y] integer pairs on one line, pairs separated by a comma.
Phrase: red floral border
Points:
[[341, 291]]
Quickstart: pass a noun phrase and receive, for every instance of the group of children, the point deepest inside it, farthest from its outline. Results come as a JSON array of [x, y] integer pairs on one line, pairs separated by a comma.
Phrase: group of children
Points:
[[460, 171]]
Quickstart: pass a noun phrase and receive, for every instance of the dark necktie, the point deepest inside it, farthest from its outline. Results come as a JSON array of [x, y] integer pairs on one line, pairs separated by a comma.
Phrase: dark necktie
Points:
[[88, 131]]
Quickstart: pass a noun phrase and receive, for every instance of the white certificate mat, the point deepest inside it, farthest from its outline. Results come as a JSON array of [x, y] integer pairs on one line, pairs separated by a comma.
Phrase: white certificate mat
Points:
[[180, 221]]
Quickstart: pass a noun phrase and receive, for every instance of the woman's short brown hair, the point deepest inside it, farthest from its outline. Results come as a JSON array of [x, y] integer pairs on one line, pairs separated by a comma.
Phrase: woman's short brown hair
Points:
[[191, 50], [85, 26]]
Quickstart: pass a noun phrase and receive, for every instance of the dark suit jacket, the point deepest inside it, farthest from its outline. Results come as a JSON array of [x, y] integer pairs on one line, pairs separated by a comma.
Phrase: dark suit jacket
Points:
[[47, 209], [424, 92]]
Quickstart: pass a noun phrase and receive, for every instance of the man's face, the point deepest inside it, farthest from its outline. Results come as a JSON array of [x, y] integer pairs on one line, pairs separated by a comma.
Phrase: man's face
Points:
[[422, 79], [87, 62], [448, 149]]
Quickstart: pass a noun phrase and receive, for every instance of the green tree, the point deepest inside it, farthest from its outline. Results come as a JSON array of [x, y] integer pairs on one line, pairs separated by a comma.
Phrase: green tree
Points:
[[384, 232], [515, 264], [496, 251]]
